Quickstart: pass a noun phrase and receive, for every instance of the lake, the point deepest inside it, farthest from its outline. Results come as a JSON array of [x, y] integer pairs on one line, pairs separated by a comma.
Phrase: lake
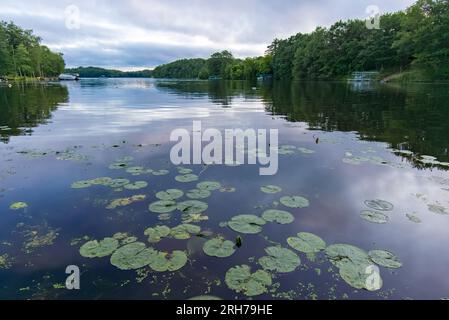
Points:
[[364, 165]]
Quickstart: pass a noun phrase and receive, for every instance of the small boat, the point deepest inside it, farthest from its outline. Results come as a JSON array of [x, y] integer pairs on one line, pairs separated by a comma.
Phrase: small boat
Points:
[[69, 77]]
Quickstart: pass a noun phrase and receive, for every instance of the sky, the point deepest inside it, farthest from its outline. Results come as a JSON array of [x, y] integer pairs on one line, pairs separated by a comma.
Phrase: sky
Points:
[[138, 34]]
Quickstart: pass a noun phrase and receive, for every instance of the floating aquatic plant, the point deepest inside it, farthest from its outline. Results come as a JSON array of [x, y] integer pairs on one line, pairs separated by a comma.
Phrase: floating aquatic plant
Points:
[[184, 231], [307, 243], [280, 259], [136, 185], [205, 298], [192, 206], [102, 181], [374, 216], [248, 224], [341, 254], [133, 256], [182, 170], [194, 218], [413, 217], [5, 261], [122, 202], [162, 172], [209, 185], [118, 165], [163, 206], [170, 194], [278, 216], [437, 208], [295, 202], [157, 233], [99, 249], [18, 205], [306, 151], [163, 261], [81, 184], [119, 183], [241, 280], [385, 259], [219, 247], [186, 178], [227, 189], [137, 171], [379, 205], [270, 189], [198, 194]]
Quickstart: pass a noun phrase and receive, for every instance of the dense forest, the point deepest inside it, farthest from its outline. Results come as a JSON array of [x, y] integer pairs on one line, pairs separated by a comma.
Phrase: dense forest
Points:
[[94, 72], [22, 55], [411, 45]]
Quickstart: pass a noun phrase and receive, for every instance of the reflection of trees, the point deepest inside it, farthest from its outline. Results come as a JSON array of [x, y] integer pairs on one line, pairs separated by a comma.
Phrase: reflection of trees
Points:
[[219, 92], [415, 117], [24, 106]]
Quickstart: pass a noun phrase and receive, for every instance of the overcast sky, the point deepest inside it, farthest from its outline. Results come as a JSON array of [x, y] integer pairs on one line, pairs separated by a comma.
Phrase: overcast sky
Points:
[[145, 33]]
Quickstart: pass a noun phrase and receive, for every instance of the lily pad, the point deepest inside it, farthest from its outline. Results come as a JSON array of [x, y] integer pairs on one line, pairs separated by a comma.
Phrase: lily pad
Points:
[[119, 183], [18, 205], [184, 231], [413, 218], [374, 216], [170, 194], [307, 243], [99, 249], [209, 185], [438, 209], [157, 233], [361, 276], [125, 201], [227, 189], [270, 189], [163, 206], [295, 202], [184, 170], [83, 184], [280, 260], [219, 247], [194, 218], [241, 280], [278, 216], [379, 205], [118, 165], [163, 261], [198, 194], [248, 224], [192, 206], [136, 185], [137, 171], [186, 178], [133, 256], [306, 151], [162, 172], [342, 254], [102, 181], [385, 259]]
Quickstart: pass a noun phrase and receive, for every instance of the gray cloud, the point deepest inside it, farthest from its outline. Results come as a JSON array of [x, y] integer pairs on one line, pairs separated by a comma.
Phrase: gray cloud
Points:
[[139, 33]]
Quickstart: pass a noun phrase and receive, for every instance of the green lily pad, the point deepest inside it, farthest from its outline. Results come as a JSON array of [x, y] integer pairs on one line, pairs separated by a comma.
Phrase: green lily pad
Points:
[[307, 243], [270, 189], [438, 209], [295, 202], [119, 183], [163, 206], [194, 218], [374, 216], [219, 247], [358, 276], [278, 216], [241, 280], [186, 178], [102, 181], [184, 231], [379, 205], [157, 233], [184, 170], [18, 205], [306, 151], [137, 171], [99, 249], [248, 224], [118, 165], [133, 256], [170, 194], [342, 254], [125, 201], [198, 194], [192, 206], [81, 184], [162, 172], [280, 260], [163, 261], [209, 185], [136, 185], [227, 189], [385, 259], [413, 218]]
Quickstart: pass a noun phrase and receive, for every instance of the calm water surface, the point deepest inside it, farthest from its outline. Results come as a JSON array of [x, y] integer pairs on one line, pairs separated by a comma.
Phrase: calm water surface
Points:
[[53, 135]]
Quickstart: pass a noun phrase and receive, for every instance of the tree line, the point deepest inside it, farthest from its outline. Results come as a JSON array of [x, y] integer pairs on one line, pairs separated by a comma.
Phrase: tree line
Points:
[[22, 55], [95, 72], [415, 40]]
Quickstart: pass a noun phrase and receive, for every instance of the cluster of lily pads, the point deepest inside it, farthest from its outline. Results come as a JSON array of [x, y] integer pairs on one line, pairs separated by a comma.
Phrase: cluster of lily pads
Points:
[[116, 184], [423, 159], [376, 212], [290, 150], [126, 253]]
